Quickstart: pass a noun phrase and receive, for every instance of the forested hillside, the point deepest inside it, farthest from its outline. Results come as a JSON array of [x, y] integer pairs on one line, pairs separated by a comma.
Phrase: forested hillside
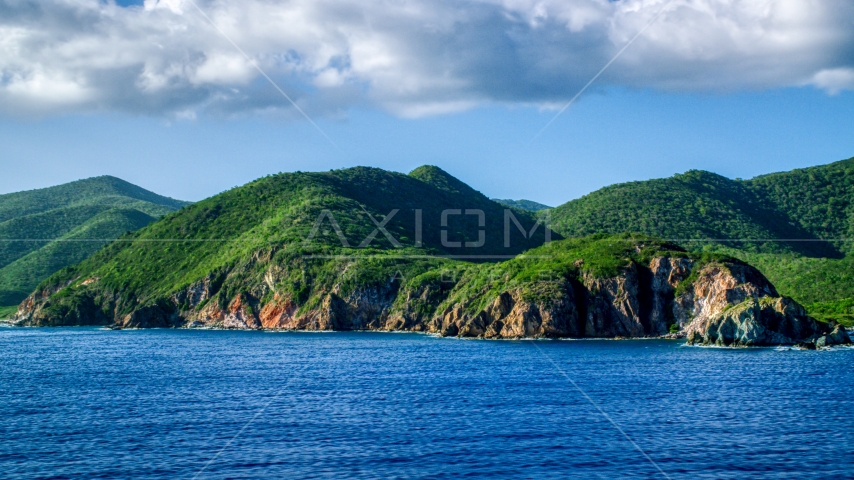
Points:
[[528, 205], [42, 231], [820, 199], [318, 231], [794, 226]]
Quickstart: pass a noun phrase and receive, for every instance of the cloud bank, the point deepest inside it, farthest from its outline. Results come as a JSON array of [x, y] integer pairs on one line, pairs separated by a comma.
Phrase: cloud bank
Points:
[[408, 57]]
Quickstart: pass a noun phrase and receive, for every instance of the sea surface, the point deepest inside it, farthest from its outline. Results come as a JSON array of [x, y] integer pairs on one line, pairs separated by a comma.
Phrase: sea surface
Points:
[[91, 403]]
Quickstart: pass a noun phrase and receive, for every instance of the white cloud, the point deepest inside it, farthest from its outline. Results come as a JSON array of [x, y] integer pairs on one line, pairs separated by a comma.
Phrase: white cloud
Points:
[[834, 80], [172, 5], [223, 69], [47, 88], [409, 57]]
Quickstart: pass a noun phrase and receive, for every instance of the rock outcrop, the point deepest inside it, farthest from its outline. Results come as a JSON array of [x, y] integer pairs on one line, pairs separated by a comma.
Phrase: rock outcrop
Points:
[[512, 315], [764, 321], [717, 287], [837, 336], [667, 273]]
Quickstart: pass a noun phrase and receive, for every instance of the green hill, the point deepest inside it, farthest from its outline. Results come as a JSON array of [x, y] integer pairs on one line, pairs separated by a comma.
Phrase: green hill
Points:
[[307, 225], [693, 209], [293, 215], [42, 231], [528, 205], [104, 190], [791, 225], [819, 200]]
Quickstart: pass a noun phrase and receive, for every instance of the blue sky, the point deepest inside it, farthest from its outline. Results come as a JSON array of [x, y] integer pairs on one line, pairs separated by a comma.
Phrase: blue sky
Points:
[[660, 109], [606, 138]]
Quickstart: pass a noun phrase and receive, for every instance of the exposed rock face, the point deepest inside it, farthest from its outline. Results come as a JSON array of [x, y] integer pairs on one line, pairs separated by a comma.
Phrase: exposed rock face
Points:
[[725, 304], [837, 336], [717, 287], [667, 274], [278, 314], [36, 310], [734, 305], [764, 321], [239, 314], [150, 316], [195, 294], [410, 316], [510, 315], [613, 306], [367, 309]]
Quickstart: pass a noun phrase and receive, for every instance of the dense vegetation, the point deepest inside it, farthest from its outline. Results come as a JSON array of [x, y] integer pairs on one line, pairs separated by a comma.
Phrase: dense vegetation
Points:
[[528, 205], [538, 273], [794, 226], [42, 231], [820, 200], [312, 225], [321, 230], [692, 209], [7, 313]]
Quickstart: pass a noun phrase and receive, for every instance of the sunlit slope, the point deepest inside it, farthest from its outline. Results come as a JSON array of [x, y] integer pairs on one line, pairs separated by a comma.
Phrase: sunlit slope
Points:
[[21, 276], [42, 231], [291, 216]]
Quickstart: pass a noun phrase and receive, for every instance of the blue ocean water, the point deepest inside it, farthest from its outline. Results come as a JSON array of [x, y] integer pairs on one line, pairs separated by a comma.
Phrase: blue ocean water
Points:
[[89, 403]]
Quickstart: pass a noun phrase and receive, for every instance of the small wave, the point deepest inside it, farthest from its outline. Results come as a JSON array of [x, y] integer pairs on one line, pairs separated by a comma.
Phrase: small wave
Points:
[[837, 348], [731, 349], [286, 330]]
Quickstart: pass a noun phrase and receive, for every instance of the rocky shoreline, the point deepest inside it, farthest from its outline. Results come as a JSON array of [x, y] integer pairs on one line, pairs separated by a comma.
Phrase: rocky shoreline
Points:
[[721, 304], [839, 333]]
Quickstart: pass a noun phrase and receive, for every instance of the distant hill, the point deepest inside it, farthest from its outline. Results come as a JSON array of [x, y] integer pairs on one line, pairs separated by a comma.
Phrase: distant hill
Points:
[[44, 230], [805, 205], [819, 200], [104, 190], [694, 209], [795, 226], [528, 205]]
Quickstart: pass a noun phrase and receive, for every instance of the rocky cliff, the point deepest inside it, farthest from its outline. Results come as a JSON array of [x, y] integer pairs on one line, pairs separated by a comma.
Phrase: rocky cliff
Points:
[[712, 303], [764, 321]]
